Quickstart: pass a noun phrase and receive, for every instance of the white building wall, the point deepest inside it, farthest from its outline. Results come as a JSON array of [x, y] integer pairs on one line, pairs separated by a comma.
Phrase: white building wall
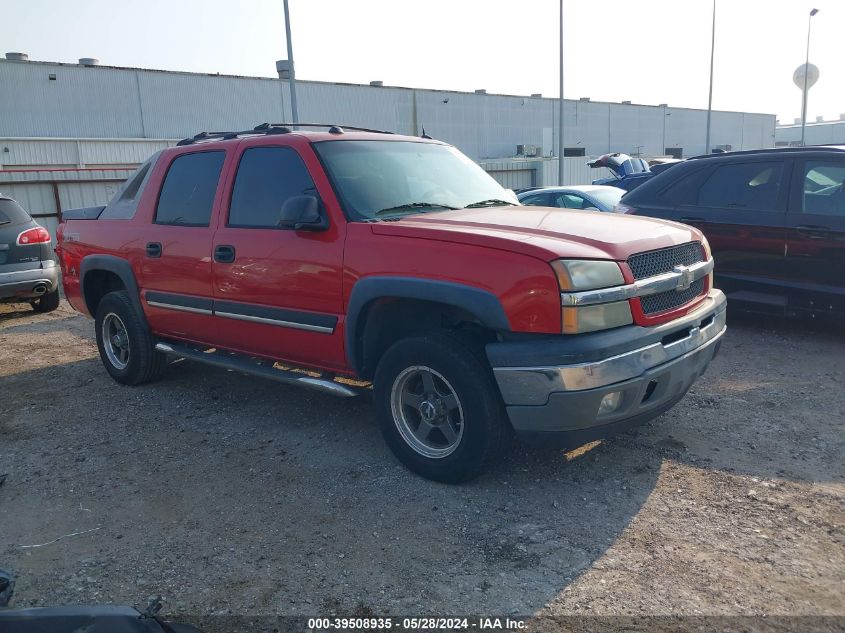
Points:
[[824, 133], [108, 102]]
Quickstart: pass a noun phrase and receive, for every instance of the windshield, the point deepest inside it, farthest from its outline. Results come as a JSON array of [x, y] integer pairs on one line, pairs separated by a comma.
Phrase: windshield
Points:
[[607, 197], [380, 179]]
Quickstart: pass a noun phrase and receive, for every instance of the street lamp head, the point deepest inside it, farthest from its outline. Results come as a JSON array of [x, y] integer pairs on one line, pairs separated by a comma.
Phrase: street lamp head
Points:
[[813, 12]]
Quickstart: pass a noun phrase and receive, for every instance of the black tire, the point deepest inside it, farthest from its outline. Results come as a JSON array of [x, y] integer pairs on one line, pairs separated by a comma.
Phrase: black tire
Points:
[[46, 302], [486, 431], [143, 362]]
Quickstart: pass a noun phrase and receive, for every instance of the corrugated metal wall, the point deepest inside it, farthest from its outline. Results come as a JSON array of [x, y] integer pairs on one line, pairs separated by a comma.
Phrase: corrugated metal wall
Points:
[[109, 102], [517, 174], [18, 153], [45, 193]]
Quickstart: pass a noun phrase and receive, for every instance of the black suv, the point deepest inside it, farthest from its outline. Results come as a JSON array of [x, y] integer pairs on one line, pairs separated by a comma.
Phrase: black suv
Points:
[[28, 270], [775, 220]]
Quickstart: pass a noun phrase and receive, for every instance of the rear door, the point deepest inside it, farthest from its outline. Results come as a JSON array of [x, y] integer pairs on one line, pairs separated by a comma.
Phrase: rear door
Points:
[[740, 206], [816, 234], [277, 291], [176, 258]]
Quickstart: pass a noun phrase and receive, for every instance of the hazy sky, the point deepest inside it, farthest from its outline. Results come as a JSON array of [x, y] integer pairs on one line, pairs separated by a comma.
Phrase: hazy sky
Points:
[[646, 51]]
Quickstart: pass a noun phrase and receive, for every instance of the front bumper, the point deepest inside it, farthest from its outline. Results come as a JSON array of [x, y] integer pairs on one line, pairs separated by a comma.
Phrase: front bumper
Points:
[[650, 368], [23, 283]]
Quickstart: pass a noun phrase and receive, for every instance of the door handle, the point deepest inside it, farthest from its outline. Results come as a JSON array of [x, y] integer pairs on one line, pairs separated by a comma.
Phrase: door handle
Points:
[[224, 254], [154, 249], [812, 231], [692, 220]]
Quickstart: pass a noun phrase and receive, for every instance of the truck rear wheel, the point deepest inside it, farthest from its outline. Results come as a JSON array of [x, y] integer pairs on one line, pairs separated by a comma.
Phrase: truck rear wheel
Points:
[[126, 346], [439, 408]]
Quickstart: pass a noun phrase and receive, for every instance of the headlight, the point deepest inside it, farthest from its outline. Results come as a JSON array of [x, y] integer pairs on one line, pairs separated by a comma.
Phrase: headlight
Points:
[[575, 275], [598, 317], [583, 274]]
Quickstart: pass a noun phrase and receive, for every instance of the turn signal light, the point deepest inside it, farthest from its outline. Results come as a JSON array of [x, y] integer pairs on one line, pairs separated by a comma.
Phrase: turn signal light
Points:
[[38, 235]]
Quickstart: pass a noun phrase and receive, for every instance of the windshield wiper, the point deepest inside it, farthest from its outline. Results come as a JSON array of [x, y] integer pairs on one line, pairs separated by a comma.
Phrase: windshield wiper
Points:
[[492, 202], [412, 206]]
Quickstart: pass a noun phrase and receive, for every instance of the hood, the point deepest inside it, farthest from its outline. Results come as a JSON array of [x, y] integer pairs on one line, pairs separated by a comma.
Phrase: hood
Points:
[[544, 232]]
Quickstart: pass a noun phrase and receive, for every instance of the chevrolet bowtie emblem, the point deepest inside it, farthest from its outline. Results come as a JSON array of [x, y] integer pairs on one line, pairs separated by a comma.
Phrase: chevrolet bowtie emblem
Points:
[[685, 277]]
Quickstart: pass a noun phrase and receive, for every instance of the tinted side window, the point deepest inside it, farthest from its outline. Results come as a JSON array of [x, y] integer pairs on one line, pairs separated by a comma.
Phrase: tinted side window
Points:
[[570, 201], [751, 186], [824, 188], [267, 176], [539, 200], [187, 194], [683, 189], [12, 213]]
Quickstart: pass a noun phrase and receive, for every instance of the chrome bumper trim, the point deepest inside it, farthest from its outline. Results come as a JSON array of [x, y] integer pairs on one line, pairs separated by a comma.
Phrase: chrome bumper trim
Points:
[[532, 385], [680, 278]]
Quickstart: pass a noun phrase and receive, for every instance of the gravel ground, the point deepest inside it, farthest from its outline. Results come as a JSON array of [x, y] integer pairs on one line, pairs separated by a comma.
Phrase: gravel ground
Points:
[[233, 495]]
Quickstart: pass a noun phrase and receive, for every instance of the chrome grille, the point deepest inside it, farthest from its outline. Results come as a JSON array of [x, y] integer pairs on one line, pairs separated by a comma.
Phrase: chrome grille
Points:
[[672, 299], [661, 261]]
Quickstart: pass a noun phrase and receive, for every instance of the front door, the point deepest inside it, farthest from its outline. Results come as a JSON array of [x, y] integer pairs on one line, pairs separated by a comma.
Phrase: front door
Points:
[[176, 258], [816, 235], [277, 291]]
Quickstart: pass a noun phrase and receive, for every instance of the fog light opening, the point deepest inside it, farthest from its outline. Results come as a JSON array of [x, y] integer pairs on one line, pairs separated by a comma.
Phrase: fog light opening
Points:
[[649, 391], [610, 403]]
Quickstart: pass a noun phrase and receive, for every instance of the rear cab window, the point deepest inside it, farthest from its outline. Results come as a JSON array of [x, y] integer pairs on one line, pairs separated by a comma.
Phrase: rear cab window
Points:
[[187, 193], [125, 203]]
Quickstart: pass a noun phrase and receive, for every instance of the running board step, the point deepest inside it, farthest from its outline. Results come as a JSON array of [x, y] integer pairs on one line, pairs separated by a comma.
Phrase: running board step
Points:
[[255, 367]]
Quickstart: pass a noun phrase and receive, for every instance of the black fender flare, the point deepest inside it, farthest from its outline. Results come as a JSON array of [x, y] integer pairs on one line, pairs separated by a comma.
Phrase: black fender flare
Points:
[[482, 304], [119, 267]]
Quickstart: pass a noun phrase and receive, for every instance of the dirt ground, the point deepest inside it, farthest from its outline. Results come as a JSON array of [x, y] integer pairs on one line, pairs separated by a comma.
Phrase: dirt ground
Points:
[[232, 495]]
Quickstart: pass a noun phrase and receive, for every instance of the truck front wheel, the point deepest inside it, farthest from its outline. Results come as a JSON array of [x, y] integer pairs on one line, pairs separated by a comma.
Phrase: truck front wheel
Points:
[[439, 408]]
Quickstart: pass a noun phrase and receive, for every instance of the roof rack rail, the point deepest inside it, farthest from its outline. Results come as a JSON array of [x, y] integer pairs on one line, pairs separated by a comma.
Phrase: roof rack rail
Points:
[[768, 150], [271, 128], [333, 127]]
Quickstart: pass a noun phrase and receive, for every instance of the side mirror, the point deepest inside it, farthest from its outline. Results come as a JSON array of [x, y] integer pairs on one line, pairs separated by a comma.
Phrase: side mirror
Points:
[[302, 213]]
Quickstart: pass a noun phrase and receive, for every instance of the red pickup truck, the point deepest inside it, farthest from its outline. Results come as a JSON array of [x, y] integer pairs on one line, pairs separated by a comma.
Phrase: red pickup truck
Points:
[[338, 257]]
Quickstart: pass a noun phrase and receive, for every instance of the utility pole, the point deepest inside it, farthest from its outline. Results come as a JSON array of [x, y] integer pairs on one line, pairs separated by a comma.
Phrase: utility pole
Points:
[[560, 162], [292, 80], [710, 98], [806, 74]]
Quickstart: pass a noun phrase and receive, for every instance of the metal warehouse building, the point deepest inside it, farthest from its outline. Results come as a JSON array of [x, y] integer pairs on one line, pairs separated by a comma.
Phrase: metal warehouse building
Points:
[[92, 123], [820, 132]]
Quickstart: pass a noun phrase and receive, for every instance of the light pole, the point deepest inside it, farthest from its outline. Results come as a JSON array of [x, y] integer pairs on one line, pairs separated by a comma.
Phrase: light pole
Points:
[[560, 162], [292, 79], [806, 74], [710, 98]]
